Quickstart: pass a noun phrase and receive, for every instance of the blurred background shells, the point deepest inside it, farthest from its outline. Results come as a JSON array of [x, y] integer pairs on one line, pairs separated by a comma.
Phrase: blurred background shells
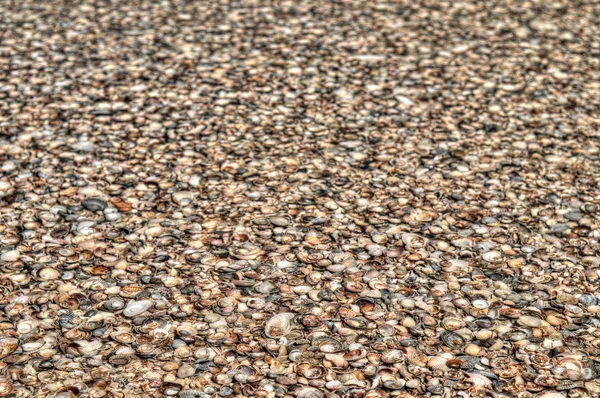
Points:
[[299, 199]]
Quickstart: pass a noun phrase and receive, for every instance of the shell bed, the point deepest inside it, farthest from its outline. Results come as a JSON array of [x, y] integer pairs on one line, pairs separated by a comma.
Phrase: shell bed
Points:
[[299, 199]]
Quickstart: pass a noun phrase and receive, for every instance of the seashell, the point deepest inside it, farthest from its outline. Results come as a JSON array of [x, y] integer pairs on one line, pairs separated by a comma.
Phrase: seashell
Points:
[[27, 326], [8, 345], [120, 359], [76, 334], [452, 323], [568, 385], [327, 344], [191, 394], [114, 304], [392, 356], [437, 363], [146, 351], [279, 325], [492, 256], [266, 287], [413, 241], [356, 322], [130, 291], [204, 354], [246, 252], [10, 256], [170, 389], [309, 392], [478, 380], [593, 386], [392, 382], [48, 274], [546, 380], [480, 303], [123, 337], [31, 346], [530, 321], [183, 198], [376, 394], [311, 371], [587, 299], [195, 203], [452, 340], [94, 204], [186, 331], [354, 355], [6, 388], [279, 221], [454, 363], [135, 308]]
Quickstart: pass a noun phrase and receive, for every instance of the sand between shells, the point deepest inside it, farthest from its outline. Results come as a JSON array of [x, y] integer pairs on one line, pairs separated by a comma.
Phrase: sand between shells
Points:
[[299, 199]]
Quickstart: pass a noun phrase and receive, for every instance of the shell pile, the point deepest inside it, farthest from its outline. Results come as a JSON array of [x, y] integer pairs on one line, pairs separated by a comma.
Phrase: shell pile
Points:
[[312, 199]]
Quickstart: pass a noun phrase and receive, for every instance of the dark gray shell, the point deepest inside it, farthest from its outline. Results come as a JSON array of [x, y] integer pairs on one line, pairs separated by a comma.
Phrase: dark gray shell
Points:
[[452, 340], [94, 204]]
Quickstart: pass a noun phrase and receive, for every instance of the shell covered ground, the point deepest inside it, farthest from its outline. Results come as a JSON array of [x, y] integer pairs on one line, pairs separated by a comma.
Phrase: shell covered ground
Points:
[[310, 199]]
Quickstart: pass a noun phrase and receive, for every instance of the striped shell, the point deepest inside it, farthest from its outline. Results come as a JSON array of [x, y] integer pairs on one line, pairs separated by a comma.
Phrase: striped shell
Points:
[[8, 346]]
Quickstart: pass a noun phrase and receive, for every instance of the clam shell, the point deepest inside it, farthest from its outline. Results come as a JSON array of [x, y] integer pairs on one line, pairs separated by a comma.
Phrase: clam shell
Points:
[[452, 323], [6, 387], [94, 204], [120, 359], [437, 363], [480, 303], [114, 304], [10, 255], [327, 344], [493, 256], [279, 325], [478, 380], [27, 326], [7, 346], [392, 356], [530, 321], [413, 240], [452, 340], [309, 392], [48, 274], [135, 308], [192, 394]]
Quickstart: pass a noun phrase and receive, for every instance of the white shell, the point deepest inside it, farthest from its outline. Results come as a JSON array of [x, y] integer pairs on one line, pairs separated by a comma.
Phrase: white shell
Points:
[[480, 303], [11, 255], [492, 256], [135, 308], [414, 240], [530, 321], [479, 380], [279, 325], [32, 346], [27, 326], [551, 395], [48, 274]]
